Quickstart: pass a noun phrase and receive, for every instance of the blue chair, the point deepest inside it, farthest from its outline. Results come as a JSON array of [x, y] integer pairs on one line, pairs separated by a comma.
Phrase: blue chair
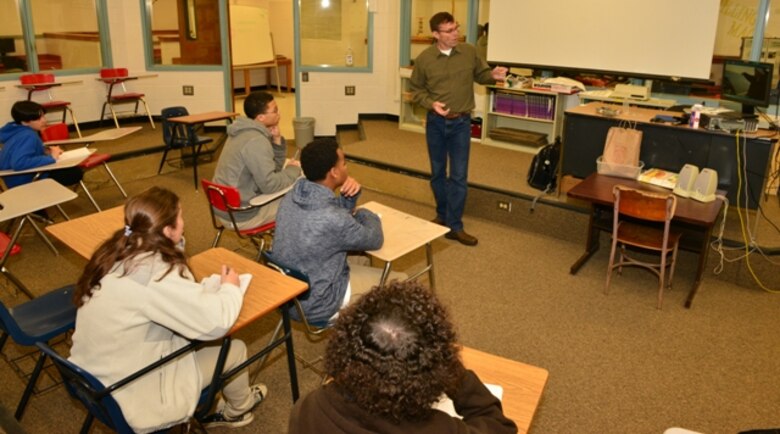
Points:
[[96, 397], [180, 136], [37, 321], [313, 329]]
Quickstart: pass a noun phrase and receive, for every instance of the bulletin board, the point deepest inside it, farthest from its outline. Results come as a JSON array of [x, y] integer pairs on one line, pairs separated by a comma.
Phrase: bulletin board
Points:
[[250, 35]]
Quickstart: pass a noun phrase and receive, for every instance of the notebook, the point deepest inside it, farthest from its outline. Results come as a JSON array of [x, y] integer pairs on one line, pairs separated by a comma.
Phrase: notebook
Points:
[[659, 177]]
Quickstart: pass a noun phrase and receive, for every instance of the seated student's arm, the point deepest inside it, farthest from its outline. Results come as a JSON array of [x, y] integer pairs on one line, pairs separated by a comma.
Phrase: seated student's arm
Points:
[[262, 163], [28, 157], [362, 231], [182, 305], [481, 410]]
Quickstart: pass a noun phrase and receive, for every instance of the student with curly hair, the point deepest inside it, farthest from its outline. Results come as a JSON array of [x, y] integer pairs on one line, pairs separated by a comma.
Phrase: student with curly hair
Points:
[[392, 355], [138, 302]]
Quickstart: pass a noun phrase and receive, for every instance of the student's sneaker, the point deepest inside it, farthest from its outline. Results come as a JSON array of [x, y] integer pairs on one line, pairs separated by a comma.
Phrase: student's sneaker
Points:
[[259, 390]]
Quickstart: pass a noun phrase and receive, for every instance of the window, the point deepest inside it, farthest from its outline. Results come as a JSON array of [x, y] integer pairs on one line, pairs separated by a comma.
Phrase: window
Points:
[[64, 34], [334, 34]]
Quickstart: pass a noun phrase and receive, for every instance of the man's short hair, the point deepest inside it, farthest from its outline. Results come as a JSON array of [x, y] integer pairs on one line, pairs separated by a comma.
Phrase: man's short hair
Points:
[[26, 111], [394, 352], [318, 157], [439, 19], [256, 103]]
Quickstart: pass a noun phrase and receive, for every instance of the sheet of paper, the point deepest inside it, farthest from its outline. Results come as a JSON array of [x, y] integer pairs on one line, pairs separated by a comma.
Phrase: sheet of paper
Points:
[[213, 282], [446, 405]]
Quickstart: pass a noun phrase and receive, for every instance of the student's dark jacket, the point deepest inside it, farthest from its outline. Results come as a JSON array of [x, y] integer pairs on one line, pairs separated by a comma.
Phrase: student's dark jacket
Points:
[[326, 410]]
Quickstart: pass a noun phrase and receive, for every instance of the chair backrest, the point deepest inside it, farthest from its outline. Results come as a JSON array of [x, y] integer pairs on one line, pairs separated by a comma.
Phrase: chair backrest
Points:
[[173, 129], [58, 131], [113, 72], [645, 205], [90, 391], [221, 197], [40, 319], [312, 328], [38, 78]]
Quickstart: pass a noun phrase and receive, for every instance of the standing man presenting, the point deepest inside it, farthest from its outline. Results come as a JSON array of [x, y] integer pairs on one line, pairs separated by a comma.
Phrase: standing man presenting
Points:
[[442, 83], [253, 160]]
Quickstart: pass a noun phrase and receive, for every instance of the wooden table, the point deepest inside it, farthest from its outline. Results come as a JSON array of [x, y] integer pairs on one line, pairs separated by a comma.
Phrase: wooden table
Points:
[[18, 203], [101, 136], [404, 233], [84, 234], [198, 119], [694, 219], [280, 61], [523, 384]]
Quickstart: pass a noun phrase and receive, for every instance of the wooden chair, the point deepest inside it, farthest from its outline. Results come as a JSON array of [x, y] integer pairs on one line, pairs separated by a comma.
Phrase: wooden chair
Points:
[[39, 83], [642, 220], [117, 93], [96, 159], [227, 199]]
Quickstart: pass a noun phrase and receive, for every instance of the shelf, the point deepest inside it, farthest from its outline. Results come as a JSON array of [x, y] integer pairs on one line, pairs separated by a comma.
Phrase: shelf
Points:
[[525, 118]]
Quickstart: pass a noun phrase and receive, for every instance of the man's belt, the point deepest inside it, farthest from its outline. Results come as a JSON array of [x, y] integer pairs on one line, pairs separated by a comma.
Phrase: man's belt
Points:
[[457, 115]]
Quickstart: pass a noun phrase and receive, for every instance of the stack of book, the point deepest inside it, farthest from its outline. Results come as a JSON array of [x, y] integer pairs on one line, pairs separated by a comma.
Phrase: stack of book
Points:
[[659, 177]]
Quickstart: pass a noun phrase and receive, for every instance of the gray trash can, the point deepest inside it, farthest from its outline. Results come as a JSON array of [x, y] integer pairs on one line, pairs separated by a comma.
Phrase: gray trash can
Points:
[[304, 131]]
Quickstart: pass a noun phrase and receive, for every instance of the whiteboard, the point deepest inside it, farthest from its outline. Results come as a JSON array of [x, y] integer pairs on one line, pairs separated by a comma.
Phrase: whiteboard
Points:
[[250, 35], [670, 38]]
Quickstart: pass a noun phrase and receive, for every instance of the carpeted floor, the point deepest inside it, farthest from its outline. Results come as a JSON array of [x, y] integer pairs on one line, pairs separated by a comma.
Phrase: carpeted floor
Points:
[[616, 363]]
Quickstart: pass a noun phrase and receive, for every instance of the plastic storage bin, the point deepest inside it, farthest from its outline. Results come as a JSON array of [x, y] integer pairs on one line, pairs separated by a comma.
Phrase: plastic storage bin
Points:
[[619, 170]]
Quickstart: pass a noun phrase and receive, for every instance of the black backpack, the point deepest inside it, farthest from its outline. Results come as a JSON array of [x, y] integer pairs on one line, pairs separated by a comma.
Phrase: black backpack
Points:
[[544, 167]]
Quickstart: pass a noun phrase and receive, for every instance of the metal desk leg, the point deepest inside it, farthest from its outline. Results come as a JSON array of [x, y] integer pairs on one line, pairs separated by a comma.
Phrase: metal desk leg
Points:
[[195, 153], [385, 274], [429, 254], [7, 254], [290, 353], [591, 244], [42, 235], [216, 380]]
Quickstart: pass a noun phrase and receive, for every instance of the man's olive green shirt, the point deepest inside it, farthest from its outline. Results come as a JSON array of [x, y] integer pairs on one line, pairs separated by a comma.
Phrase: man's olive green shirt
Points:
[[439, 77]]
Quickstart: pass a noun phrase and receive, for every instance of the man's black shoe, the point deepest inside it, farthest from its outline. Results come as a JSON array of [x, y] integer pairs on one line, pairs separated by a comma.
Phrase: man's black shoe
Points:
[[462, 237]]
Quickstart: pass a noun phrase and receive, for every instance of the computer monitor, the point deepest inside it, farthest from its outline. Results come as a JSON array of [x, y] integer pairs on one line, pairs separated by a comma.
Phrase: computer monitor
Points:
[[748, 83]]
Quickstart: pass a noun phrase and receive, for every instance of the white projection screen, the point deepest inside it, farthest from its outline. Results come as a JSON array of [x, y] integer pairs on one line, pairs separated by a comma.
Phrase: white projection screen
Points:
[[667, 38]]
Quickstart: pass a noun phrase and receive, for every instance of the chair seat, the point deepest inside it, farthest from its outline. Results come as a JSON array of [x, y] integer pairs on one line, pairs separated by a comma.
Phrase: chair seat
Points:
[[644, 236], [44, 317], [55, 104], [4, 241], [258, 230], [94, 160], [127, 96]]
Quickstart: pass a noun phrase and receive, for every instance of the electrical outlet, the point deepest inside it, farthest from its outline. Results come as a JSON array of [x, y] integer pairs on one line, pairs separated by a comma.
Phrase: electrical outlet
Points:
[[304, 77], [504, 205], [188, 90], [349, 90]]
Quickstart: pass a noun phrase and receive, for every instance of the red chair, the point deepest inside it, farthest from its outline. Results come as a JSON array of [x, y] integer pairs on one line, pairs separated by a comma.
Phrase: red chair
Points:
[[228, 199], [42, 82], [60, 132], [116, 96]]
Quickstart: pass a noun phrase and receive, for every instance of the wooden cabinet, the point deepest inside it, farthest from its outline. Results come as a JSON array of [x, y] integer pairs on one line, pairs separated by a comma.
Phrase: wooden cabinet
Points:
[[524, 119], [411, 116]]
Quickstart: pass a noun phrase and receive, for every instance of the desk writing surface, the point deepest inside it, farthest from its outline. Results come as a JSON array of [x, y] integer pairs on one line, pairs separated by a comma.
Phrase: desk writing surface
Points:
[[101, 136], [68, 159], [402, 232], [24, 199], [268, 289], [204, 117], [597, 188], [523, 384], [84, 234]]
